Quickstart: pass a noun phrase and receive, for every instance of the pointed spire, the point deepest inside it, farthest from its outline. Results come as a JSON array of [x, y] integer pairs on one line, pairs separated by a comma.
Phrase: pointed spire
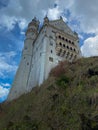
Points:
[[46, 20]]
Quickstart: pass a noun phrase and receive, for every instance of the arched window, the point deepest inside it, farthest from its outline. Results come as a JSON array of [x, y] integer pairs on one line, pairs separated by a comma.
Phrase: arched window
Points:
[[64, 53], [27, 63], [66, 40], [63, 45], [67, 47], [73, 43], [51, 59], [69, 41], [60, 44], [74, 49], [63, 38], [59, 36], [70, 48]]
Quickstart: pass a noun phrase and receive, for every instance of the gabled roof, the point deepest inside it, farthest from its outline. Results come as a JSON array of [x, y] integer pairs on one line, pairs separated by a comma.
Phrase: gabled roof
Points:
[[61, 25]]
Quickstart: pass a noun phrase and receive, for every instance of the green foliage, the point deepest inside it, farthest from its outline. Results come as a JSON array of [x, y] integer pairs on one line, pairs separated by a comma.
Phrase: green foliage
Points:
[[68, 101], [62, 81]]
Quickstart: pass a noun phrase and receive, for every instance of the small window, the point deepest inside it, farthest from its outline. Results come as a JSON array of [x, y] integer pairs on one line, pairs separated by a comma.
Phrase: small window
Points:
[[53, 31], [28, 63], [70, 48], [66, 40], [50, 37], [63, 45], [75, 57], [51, 51], [25, 48], [73, 43], [60, 50], [51, 43], [74, 49], [69, 41], [60, 44], [67, 47], [64, 53], [59, 36], [63, 38], [51, 59]]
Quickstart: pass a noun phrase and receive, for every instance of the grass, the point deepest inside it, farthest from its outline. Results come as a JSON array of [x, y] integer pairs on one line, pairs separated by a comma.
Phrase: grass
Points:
[[67, 100]]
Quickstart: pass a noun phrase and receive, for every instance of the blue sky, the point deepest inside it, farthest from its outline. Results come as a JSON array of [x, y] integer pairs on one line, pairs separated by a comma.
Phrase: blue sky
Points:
[[80, 15]]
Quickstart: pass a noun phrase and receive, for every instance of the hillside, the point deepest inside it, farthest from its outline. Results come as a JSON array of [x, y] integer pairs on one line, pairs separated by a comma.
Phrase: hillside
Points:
[[68, 100]]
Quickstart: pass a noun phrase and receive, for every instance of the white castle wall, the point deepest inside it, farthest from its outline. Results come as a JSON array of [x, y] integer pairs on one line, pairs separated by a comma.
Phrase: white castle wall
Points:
[[39, 57]]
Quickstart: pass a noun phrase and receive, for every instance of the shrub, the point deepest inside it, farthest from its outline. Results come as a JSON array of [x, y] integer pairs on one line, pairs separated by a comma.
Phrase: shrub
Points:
[[62, 81], [59, 70]]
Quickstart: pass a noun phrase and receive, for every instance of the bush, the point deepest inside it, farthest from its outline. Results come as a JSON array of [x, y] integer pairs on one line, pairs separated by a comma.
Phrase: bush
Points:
[[62, 81], [59, 70]]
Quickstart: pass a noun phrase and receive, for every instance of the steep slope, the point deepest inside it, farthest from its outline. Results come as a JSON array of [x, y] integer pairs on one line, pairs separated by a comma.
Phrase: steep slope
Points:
[[68, 100]]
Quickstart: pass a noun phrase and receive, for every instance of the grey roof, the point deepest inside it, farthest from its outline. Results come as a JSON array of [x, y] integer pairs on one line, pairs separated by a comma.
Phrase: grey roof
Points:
[[61, 25]]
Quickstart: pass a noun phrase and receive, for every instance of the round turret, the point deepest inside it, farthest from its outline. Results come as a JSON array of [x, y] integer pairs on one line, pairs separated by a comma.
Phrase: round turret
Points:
[[32, 30]]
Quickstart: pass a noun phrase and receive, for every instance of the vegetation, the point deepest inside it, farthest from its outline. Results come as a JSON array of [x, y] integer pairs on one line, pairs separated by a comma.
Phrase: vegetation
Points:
[[68, 100]]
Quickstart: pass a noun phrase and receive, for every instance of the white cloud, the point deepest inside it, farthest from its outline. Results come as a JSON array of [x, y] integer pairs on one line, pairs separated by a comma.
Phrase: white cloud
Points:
[[54, 13], [23, 11], [6, 64], [3, 92], [87, 14], [5, 84], [22, 23], [90, 47]]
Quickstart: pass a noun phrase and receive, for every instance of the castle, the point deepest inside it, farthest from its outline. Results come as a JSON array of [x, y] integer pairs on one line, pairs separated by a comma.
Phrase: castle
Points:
[[44, 48]]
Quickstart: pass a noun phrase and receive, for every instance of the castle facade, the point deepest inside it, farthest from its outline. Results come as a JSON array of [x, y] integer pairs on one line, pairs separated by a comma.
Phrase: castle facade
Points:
[[43, 49]]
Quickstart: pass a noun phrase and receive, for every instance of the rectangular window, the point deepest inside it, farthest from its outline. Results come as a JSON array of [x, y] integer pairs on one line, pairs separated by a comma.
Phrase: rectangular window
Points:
[[51, 59], [51, 43]]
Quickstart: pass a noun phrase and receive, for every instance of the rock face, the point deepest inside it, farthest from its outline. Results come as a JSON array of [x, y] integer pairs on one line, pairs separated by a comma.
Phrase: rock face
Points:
[[43, 49]]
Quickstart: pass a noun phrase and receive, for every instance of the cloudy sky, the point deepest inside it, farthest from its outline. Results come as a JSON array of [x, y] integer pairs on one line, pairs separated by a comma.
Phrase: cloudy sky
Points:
[[80, 15]]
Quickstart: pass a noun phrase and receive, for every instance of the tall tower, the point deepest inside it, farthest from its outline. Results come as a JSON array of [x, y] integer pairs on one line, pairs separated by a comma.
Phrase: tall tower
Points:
[[42, 51], [20, 83]]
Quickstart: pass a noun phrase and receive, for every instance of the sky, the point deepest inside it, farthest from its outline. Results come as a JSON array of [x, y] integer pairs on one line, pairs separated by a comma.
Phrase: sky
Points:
[[80, 15]]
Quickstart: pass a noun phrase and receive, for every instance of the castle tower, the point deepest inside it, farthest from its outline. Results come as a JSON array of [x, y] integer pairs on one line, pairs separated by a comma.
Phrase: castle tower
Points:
[[20, 83], [42, 51], [46, 20]]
